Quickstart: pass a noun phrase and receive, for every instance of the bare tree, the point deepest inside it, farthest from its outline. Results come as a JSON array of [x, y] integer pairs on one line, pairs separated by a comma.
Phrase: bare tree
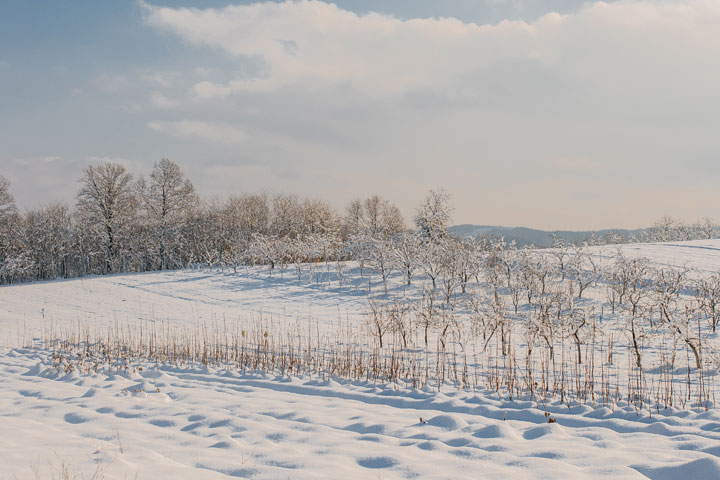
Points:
[[634, 276]]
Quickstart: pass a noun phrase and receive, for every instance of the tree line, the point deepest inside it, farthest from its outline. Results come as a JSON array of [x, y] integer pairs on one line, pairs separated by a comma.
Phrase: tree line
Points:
[[120, 223]]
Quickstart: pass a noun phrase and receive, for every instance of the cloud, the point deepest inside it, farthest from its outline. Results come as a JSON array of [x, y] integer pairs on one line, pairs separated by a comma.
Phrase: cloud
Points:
[[210, 131], [36, 161], [209, 90], [632, 45], [162, 79], [110, 83], [514, 118], [158, 100]]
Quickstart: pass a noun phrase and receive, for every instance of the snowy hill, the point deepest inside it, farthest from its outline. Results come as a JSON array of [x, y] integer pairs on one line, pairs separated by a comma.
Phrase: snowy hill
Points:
[[156, 419], [523, 236]]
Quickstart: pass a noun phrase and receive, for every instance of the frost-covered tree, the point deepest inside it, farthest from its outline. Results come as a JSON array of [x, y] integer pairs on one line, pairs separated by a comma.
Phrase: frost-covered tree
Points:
[[14, 263], [316, 217], [167, 197], [582, 270], [242, 217], [286, 216], [707, 229], [468, 261], [7, 201], [376, 253], [49, 240], [267, 249], [633, 282], [107, 204], [434, 215], [667, 285], [373, 216], [8, 219], [404, 250], [431, 260], [707, 293], [451, 254]]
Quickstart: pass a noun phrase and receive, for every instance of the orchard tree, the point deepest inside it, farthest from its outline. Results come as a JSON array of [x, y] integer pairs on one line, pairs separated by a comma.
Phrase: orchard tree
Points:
[[434, 215], [375, 253], [707, 293], [404, 250]]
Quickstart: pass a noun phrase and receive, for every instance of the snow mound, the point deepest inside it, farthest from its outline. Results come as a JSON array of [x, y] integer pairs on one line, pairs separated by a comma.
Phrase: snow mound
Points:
[[497, 431], [448, 422], [705, 468]]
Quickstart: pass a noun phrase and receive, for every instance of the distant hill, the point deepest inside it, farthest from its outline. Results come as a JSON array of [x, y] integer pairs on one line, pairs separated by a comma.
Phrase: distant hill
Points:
[[540, 238]]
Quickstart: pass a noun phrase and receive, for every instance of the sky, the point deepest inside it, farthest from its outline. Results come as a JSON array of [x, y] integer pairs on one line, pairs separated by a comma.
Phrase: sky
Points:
[[554, 114]]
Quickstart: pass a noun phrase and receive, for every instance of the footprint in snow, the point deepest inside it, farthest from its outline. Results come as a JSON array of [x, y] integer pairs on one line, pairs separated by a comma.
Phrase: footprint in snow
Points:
[[75, 418], [162, 423]]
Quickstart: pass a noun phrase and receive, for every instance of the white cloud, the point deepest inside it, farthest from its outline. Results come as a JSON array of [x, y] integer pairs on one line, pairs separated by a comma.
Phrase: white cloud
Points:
[[36, 161], [211, 131], [631, 44], [209, 90], [110, 83], [158, 100], [162, 79], [522, 107]]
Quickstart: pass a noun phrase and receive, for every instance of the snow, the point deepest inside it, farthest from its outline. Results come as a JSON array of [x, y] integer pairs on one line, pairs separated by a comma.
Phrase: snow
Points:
[[702, 256], [193, 421], [198, 423]]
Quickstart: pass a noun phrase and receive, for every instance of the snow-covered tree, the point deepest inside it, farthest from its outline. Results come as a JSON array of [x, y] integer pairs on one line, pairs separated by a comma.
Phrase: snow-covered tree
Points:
[[434, 215], [581, 269], [15, 264], [107, 205], [405, 249], [7, 201], [9, 222], [375, 253], [707, 293], [373, 216], [166, 198], [48, 240]]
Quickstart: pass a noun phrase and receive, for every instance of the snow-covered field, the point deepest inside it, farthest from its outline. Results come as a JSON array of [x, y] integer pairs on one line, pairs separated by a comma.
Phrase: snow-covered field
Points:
[[167, 421]]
